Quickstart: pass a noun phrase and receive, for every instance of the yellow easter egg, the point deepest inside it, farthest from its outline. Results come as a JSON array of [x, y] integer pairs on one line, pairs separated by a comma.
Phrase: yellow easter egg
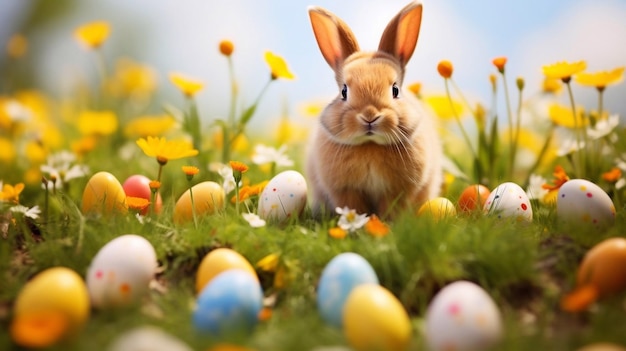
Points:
[[104, 194], [54, 304], [218, 261], [437, 208], [208, 197], [374, 319]]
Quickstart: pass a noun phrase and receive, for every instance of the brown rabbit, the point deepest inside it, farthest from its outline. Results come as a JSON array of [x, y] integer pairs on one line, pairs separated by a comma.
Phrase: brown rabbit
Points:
[[376, 148]]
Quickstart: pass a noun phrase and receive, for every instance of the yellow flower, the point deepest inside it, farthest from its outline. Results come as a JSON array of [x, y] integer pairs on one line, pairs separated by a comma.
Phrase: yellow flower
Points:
[[499, 62], [238, 166], [375, 227], [269, 263], [600, 79], [227, 47], [278, 66], [137, 203], [92, 35], [564, 70], [35, 152], [149, 125], [132, 79], [551, 85], [186, 85], [84, 145], [337, 233], [97, 122], [564, 117], [249, 190], [445, 69], [442, 107], [313, 108], [17, 46], [415, 88], [11, 193], [7, 150], [165, 150]]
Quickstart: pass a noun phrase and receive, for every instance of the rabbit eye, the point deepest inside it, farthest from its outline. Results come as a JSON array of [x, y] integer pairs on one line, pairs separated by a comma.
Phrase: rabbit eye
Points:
[[395, 91], [344, 92]]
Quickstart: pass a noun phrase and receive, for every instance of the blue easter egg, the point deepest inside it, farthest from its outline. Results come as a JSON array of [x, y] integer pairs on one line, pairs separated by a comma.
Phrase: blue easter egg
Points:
[[340, 276], [229, 303]]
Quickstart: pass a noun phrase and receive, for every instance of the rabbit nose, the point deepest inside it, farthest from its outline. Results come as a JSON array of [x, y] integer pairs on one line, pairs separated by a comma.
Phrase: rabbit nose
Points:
[[370, 120]]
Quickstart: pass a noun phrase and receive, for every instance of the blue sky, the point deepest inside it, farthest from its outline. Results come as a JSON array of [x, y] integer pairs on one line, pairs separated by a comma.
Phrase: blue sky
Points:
[[183, 35]]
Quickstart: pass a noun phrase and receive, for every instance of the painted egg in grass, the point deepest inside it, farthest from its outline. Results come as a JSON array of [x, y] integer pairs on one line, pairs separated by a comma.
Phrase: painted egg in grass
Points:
[[229, 304], [284, 197], [374, 319], [437, 208], [121, 271], [604, 267], [509, 200], [581, 203], [51, 306], [218, 261], [473, 197], [104, 195], [139, 186], [147, 338], [208, 198], [462, 317], [340, 276]]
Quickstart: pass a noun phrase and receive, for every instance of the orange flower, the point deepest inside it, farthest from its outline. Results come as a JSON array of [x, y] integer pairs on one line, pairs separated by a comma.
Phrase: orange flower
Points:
[[11, 193], [499, 62], [265, 314], [337, 233], [154, 185], [238, 166], [191, 170], [560, 177], [613, 175], [376, 227], [137, 203], [445, 69], [227, 47], [248, 191], [415, 88]]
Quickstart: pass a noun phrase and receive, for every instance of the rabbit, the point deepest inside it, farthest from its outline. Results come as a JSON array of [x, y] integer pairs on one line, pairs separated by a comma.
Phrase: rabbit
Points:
[[375, 148]]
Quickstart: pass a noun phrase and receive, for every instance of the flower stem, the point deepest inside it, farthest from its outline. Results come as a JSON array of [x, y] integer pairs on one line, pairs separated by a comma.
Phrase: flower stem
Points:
[[580, 129], [512, 147], [193, 207], [226, 128], [458, 121]]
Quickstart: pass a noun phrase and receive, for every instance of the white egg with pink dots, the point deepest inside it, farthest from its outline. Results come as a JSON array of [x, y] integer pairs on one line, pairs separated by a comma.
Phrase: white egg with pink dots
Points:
[[581, 203], [284, 197], [509, 200]]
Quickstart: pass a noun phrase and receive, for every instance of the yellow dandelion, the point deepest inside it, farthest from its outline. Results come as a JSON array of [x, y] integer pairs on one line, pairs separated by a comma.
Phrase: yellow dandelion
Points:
[[97, 122], [92, 35], [144, 126], [188, 86], [600, 79], [11, 193], [563, 116], [17, 46], [443, 108], [226, 47], [165, 150], [445, 69], [551, 85], [278, 66], [564, 70]]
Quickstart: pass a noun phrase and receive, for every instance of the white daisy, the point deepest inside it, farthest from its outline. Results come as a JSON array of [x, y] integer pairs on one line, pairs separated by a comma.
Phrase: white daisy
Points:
[[266, 154], [350, 220], [254, 220], [32, 212]]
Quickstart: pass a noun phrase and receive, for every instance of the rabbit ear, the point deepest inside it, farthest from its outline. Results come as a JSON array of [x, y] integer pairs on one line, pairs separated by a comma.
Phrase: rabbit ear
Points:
[[333, 36], [400, 37]]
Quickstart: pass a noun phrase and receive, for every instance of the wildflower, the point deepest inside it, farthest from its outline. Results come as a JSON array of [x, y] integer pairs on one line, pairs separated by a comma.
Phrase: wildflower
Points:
[[613, 175], [445, 108], [137, 203], [8, 150], [154, 185], [564, 70], [551, 85], [17, 46], [415, 88], [238, 166], [350, 220], [520, 83], [568, 142], [493, 79], [149, 125], [375, 227], [254, 220], [165, 150], [226, 47], [92, 35], [248, 191], [132, 79], [269, 263], [445, 69], [83, 145], [267, 154], [190, 171], [32, 212], [188, 86], [97, 122], [499, 62], [226, 173], [601, 79], [278, 66], [11, 193], [60, 170], [312, 109], [564, 117], [560, 178], [337, 233], [238, 169], [603, 127]]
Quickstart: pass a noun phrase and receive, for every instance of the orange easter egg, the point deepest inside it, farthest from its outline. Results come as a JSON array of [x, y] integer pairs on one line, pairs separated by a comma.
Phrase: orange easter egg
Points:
[[604, 267], [208, 198], [473, 197], [104, 195]]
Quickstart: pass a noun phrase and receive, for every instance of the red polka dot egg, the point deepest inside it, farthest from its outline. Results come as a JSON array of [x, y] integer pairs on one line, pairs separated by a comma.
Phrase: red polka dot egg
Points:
[[581, 203], [509, 200], [121, 271]]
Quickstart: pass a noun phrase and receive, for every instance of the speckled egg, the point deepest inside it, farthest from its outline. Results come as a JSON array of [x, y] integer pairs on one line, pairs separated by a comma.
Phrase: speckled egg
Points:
[[229, 304], [509, 200], [462, 317], [604, 267], [581, 203], [374, 319], [284, 197], [218, 261], [340, 276], [437, 208], [208, 198], [104, 195], [53, 304], [121, 271], [139, 186]]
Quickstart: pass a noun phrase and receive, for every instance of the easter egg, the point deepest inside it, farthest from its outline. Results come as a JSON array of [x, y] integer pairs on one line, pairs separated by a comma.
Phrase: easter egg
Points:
[[139, 186], [437, 208], [208, 198], [229, 304], [602, 346], [462, 317], [121, 271], [52, 305], [147, 338], [604, 267], [582, 204], [104, 195], [374, 319], [473, 197], [509, 200], [218, 261], [284, 197], [340, 276]]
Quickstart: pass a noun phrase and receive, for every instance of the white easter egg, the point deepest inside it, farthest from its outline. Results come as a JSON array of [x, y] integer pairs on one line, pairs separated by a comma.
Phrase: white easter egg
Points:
[[462, 317], [509, 200], [121, 271], [284, 197], [581, 203]]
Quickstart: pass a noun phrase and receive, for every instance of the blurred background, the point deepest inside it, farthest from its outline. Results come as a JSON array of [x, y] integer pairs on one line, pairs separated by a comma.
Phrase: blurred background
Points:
[[183, 36]]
